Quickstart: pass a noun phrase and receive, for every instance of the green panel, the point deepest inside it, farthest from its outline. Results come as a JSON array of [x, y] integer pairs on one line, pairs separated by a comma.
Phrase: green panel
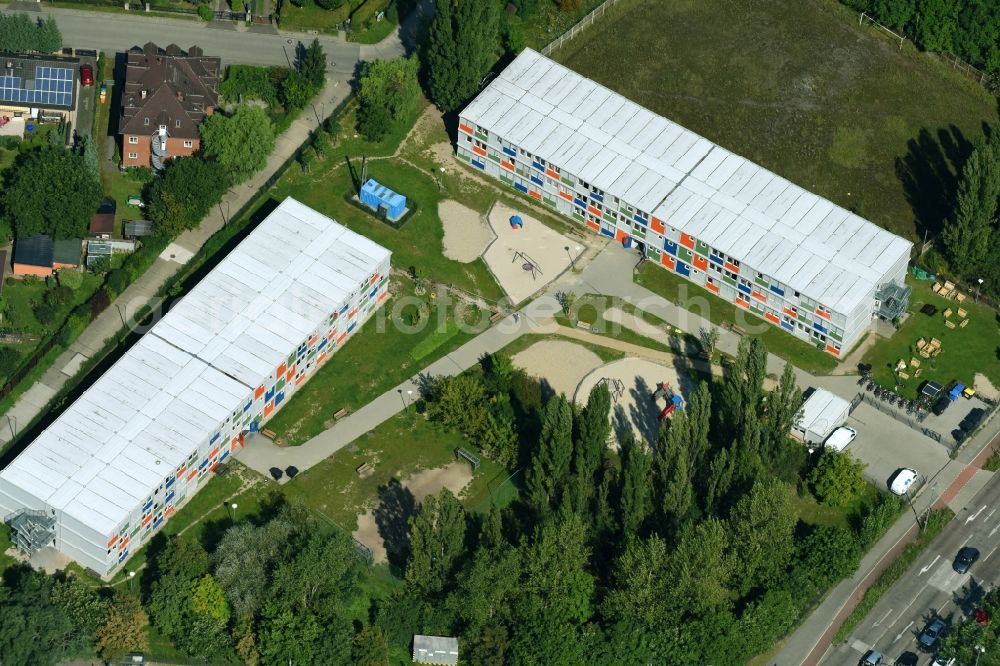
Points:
[[495, 158], [639, 232], [481, 136], [578, 216], [836, 336], [568, 182], [805, 317], [685, 255], [551, 202], [465, 156], [729, 280], [702, 248], [505, 179], [762, 282], [291, 358], [652, 253]]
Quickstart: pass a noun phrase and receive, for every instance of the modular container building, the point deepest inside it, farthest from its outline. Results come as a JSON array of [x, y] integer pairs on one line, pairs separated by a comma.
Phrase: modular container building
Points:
[[122, 459], [717, 219], [377, 196]]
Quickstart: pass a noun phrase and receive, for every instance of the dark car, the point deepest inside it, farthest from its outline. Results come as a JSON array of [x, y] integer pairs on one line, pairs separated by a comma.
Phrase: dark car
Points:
[[907, 659], [966, 558], [871, 658], [941, 405], [86, 75], [932, 632]]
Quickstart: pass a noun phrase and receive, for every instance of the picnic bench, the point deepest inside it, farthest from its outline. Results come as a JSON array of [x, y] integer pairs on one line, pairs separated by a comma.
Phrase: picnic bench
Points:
[[582, 324], [341, 413], [364, 470], [270, 434], [495, 317]]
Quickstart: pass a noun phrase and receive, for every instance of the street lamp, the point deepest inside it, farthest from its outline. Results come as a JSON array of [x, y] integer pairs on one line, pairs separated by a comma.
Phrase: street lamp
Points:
[[131, 577], [979, 288], [401, 398], [409, 399], [233, 508], [979, 648]]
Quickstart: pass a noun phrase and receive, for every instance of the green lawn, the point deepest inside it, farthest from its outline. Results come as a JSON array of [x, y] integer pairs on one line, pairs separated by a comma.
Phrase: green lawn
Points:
[[310, 16], [812, 512], [591, 309], [798, 87], [373, 35], [964, 351], [780, 343], [403, 445], [550, 22]]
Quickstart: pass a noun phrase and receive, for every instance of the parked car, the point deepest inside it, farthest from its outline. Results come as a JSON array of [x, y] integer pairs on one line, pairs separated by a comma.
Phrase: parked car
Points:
[[966, 557], [903, 481], [932, 632], [86, 75], [907, 659], [943, 661], [942, 404], [871, 658], [840, 439]]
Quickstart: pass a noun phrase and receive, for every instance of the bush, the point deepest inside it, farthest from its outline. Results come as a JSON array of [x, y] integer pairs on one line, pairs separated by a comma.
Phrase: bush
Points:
[[117, 281], [250, 82], [329, 4], [10, 142], [44, 313], [59, 296], [139, 174], [205, 12], [9, 358], [70, 278], [374, 122]]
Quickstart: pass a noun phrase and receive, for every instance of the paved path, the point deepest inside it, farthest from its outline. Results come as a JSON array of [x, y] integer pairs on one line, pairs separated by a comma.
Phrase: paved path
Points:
[[143, 291]]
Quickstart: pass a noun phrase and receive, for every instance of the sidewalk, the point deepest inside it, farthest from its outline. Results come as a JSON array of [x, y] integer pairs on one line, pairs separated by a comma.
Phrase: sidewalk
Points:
[[143, 291]]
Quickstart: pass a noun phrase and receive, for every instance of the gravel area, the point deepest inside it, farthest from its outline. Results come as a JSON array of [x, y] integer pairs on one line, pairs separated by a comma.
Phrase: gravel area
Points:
[[560, 364], [466, 235]]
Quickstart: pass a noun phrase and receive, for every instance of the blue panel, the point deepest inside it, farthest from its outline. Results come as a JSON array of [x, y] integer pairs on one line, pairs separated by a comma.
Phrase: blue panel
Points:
[[509, 151], [246, 407], [254, 426], [121, 558], [353, 325], [683, 268], [157, 523], [269, 395], [148, 505], [480, 165], [579, 202], [819, 327], [214, 439], [715, 260], [778, 290], [537, 166], [521, 188], [322, 343], [537, 181], [596, 197], [787, 326], [279, 399], [371, 294], [744, 288], [345, 308], [170, 482], [204, 464], [225, 454], [608, 232], [641, 221], [169, 497], [670, 247]]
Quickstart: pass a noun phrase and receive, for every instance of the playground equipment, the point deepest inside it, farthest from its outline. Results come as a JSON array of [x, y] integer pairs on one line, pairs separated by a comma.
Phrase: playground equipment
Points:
[[674, 400], [528, 265], [615, 387], [516, 222]]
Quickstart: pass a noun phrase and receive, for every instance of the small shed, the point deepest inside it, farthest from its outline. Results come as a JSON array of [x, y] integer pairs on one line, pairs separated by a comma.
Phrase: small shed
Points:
[[138, 228], [377, 197], [33, 255], [102, 223], [435, 650], [822, 412]]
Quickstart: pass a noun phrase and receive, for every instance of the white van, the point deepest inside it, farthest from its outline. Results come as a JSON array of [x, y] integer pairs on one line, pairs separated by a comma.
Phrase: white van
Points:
[[840, 439]]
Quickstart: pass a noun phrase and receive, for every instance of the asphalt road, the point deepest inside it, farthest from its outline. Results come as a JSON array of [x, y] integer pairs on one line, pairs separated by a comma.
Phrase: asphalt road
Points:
[[931, 588], [110, 32]]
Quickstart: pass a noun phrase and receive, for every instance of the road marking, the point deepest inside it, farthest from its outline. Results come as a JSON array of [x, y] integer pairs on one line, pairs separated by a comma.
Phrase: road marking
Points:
[[975, 515], [989, 553], [994, 530], [990, 514], [883, 618], [900, 634], [933, 562]]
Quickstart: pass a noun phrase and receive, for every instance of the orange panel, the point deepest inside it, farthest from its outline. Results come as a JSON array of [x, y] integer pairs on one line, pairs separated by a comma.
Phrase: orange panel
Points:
[[535, 194], [123, 543], [743, 303], [281, 370], [313, 340], [193, 474], [214, 452], [180, 472], [759, 296], [374, 279], [687, 241], [113, 540], [242, 439], [331, 335], [300, 380], [233, 444], [657, 225], [668, 261], [259, 392], [772, 318], [714, 288], [341, 339], [382, 296], [593, 225], [169, 512], [213, 467], [552, 174], [507, 165], [268, 409], [290, 374], [621, 235], [790, 312], [732, 267], [147, 520], [322, 357], [479, 151], [353, 313], [566, 195], [701, 263], [593, 211], [822, 314], [832, 350], [465, 128]]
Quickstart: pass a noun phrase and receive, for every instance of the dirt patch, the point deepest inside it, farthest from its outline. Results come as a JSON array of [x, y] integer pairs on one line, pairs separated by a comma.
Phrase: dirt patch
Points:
[[383, 529], [985, 388], [561, 364], [466, 234]]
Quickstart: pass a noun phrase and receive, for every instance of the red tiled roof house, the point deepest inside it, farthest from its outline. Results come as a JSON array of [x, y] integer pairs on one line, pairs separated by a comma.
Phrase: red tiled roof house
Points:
[[168, 92]]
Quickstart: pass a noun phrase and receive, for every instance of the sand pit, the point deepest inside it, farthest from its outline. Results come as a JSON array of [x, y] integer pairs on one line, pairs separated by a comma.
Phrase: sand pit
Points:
[[466, 235], [635, 408], [388, 520], [985, 388], [533, 244], [561, 364]]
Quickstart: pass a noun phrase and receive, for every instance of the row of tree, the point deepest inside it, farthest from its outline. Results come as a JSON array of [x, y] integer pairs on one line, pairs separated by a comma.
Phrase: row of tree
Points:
[[20, 32], [969, 29]]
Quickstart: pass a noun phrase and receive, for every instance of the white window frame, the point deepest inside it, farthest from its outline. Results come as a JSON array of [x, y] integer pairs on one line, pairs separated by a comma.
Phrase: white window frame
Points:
[[133, 156], [133, 140], [189, 143]]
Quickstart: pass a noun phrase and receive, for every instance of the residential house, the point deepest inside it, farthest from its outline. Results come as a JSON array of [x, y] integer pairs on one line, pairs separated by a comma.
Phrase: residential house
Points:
[[40, 255]]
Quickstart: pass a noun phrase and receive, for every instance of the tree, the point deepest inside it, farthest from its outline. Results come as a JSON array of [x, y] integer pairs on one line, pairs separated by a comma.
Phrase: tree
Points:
[[387, 94], [674, 474], [370, 648], [437, 539], [312, 64], [639, 587], [49, 38], [81, 603], [9, 360], [244, 560], [460, 49], [209, 599], [324, 574], [182, 197], [296, 91], [288, 635], [117, 281], [967, 237], [836, 480], [590, 444], [50, 191], [636, 498], [936, 24], [240, 143], [44, 313], [964, 640], [123, 630], [699, 570], [550, 466], [87, 149], [762, 524], [33, 630]]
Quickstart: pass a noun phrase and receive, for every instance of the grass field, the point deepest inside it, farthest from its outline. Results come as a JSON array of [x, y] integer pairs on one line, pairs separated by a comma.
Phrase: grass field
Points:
[[798, 87], [795, 351], [964, 351]]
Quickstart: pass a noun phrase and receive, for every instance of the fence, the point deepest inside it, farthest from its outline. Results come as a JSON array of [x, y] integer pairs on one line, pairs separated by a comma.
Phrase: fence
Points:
[[901, 417], [984, 79], [582, 25]]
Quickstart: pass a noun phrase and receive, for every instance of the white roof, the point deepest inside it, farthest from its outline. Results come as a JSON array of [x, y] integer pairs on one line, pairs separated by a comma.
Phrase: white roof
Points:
[[823, 412], [435, 649], [172, 390], [811, 245]]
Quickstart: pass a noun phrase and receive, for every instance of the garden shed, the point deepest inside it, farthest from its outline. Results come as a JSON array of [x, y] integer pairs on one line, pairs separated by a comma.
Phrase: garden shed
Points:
[[377, 196]]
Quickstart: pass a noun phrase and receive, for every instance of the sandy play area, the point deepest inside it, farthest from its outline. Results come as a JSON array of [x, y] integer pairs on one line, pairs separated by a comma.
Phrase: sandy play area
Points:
[[466, 235], [515, 251], [634, 407], [387, 522], [985, 388], [561, 364]]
